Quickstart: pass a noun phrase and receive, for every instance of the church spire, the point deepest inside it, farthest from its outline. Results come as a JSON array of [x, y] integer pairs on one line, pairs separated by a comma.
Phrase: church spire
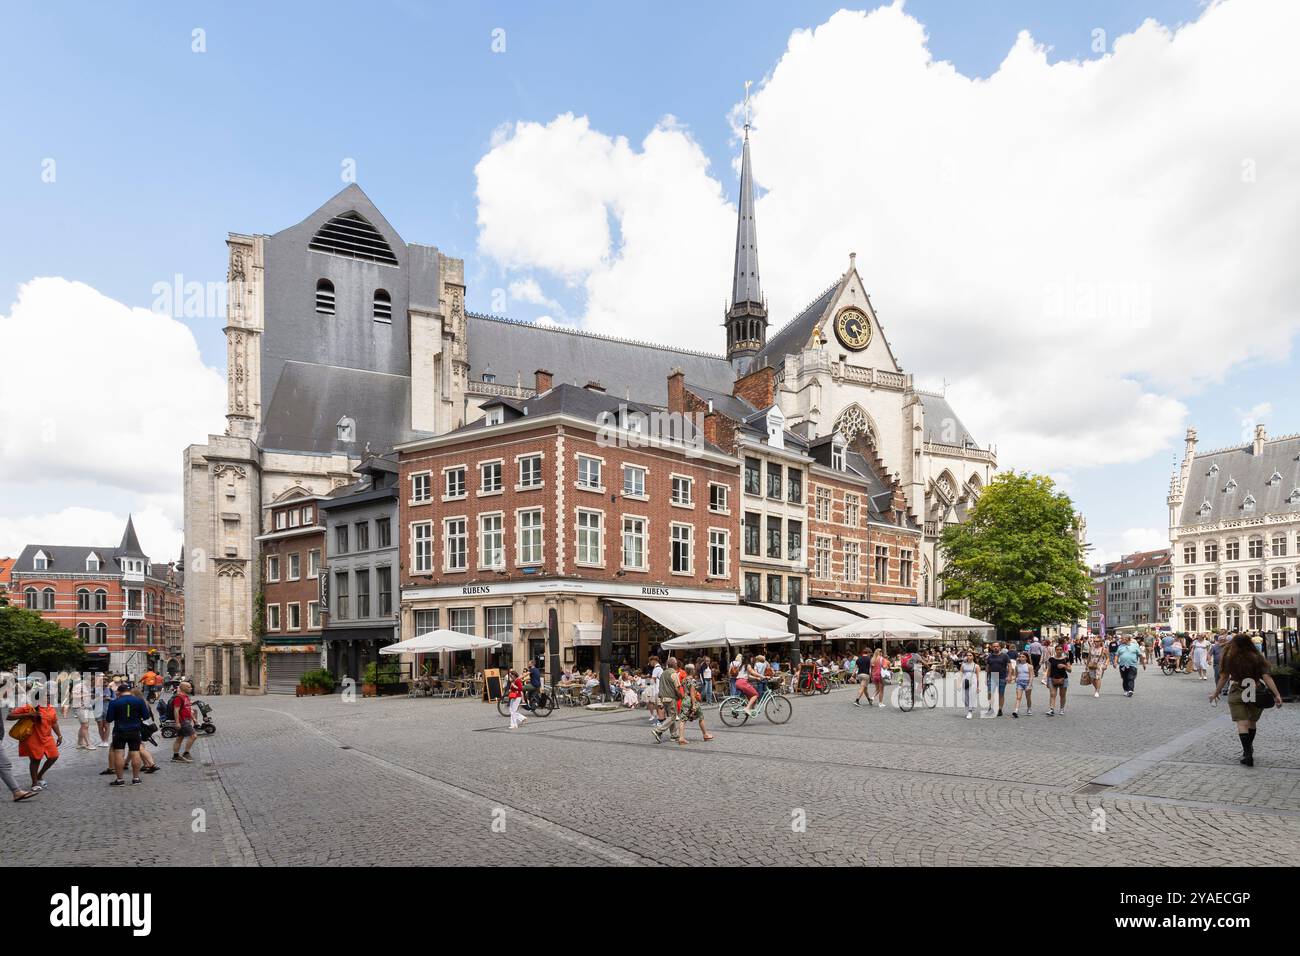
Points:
[[747, 318]]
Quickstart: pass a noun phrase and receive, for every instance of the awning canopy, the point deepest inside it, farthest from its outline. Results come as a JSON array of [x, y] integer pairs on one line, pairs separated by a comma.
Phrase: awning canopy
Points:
[[815, 616], [434, 642], [1282, 601], [586, 634], [886, 628], [683, 617], [733, 633], [920, 614]]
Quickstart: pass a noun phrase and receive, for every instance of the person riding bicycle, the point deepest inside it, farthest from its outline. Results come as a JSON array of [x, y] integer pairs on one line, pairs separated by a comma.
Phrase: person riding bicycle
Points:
[[747, 684], [534, 684], [911, 662]]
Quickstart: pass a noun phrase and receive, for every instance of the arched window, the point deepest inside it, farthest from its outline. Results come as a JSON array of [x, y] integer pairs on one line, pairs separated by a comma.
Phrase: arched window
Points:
[[1254, 619], [101, 633], [31, 599], [83, 632], [1232, 617], [324, 297], [47, 599], [1211, 618], [1211, 585], [383, 306], [352, 236], [1190, 620], [1189, 585], [1232, 583], [1255, 582], [101, 600], [83, 599]]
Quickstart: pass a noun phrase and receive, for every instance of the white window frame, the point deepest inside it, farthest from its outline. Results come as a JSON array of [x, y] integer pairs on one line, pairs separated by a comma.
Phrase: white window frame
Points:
[[273, 617], [688, 483], [483, 532], [822, 550], [483, 491], [293, 566], [425, 477], [448, 538], [313, 564], [589, 460], [580, 529], [520, 461], [272, 569], [725, 495], [292, 613], [523, 557], [673, 538], [447, 493], [419, 566], [852, 561], [720, 539], [313, 615], [645, 476], [643, 536]]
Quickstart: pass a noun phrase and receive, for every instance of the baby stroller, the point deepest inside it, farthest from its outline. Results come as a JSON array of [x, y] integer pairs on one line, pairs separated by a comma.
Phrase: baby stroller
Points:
[[202, 719]]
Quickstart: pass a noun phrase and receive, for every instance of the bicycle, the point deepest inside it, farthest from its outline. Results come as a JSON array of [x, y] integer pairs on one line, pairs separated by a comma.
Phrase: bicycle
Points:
[[929, 693], [774, 705], [540, 703], [813, 682], [1169, 665]]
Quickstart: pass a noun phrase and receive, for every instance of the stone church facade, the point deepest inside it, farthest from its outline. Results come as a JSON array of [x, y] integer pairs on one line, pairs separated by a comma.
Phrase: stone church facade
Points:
[[343, 341]]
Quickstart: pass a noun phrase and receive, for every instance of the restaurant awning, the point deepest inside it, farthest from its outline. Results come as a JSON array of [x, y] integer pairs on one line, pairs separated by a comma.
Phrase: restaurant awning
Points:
[[921, 614], [815, 616], [682, 617], [1280, 601], [586, 635]]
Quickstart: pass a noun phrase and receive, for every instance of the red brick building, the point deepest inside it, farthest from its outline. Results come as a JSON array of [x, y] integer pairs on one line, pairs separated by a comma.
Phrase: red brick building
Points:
[[565, 501], [292, 554], [114, 599]]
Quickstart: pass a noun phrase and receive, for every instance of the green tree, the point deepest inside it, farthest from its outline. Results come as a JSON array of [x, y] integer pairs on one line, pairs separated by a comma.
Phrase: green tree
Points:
[[1017, 557], [29, 639]]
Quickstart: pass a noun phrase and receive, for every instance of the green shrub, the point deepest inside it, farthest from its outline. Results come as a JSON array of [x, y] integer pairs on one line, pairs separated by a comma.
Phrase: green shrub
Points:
[[318, 678], [389, 673]]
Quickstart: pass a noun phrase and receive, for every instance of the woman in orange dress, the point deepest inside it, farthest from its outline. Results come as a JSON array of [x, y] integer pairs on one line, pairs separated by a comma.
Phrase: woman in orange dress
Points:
[[42, 743]]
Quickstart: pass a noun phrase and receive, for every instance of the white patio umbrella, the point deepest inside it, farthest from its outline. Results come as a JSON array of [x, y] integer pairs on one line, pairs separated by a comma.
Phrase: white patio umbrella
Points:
[[1284, 601], [884, 628], [440, 640], [734, 633]]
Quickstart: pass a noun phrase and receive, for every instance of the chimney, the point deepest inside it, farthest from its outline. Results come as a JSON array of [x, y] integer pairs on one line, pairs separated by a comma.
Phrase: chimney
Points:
[[758, 387], [542, 381], [677, 391], [1261, 436], [594, 386]]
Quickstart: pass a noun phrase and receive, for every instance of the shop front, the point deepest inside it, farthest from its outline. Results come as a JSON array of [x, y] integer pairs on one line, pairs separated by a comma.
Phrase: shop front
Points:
[[286, 662], [517, 614]]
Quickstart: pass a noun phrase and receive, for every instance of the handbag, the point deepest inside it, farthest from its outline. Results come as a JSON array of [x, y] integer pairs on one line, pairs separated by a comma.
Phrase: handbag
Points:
[[22, 728], [1086, 679], [1263, 696]]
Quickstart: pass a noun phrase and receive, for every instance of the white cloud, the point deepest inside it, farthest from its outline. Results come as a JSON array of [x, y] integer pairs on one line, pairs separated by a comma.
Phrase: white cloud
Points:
[[159, 535], [528, 290], [1076, 246], [97, 391], [1111, 546]]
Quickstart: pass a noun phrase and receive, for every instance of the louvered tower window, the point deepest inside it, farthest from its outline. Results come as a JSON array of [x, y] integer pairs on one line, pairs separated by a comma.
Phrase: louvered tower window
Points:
[[325, 297], [383, 306], [352, 236]]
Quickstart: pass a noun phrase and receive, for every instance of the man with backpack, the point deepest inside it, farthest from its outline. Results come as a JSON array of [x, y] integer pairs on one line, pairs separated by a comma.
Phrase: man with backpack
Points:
[[127, 713]]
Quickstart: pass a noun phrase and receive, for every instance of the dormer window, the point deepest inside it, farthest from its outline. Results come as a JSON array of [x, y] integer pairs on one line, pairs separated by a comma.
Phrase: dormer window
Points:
[[495, 415], [489, 376], [1276, 479], [837, 454], [346, 429], [324, 297], [1249, 503], [92, 562], [383, 307], [1205, 509], [1214, 469], [1294, 497], [775, 427], [634, 422], [41, 562], [1231, 485]]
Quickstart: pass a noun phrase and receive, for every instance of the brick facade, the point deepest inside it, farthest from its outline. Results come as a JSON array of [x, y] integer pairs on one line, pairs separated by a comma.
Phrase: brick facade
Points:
[[291, 558]]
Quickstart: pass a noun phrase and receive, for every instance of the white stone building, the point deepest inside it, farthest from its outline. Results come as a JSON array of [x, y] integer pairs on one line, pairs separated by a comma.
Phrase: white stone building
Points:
[[1234, 528]]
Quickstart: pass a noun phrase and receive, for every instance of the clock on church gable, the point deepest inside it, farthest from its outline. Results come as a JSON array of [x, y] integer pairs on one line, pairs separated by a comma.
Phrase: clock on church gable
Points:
[[853, 328]]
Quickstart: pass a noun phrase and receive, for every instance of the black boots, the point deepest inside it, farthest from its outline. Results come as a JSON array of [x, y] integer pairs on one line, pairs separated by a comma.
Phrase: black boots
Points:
[[1248, 747]]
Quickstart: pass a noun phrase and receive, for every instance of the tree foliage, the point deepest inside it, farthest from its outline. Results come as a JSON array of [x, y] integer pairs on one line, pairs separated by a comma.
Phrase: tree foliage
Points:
[[29, 639], [1017, 558]]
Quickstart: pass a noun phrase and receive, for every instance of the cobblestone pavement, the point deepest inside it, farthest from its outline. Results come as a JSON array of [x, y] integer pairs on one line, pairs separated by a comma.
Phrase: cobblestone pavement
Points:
[[397, 781]]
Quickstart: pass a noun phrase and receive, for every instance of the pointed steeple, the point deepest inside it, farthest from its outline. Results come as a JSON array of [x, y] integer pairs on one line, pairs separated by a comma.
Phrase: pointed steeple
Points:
[[130, 546], [747, 318]]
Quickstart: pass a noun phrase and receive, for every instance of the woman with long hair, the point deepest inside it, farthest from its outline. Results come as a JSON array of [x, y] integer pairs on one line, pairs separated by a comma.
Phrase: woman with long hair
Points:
[[1246, 669]]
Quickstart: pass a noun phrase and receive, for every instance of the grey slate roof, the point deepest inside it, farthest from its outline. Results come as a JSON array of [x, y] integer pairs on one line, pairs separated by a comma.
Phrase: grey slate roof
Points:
[[791, 338], [309, 401], [1249, 475], [71, 559], [745, 285], [941, 422], [515, 350]]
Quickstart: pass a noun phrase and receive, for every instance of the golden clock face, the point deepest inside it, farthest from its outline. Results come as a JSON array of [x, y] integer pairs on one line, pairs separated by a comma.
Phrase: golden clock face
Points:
[[853, 329]]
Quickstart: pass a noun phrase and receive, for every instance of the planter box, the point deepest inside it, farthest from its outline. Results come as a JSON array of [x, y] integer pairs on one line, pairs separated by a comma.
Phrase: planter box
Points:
[[301, 691]]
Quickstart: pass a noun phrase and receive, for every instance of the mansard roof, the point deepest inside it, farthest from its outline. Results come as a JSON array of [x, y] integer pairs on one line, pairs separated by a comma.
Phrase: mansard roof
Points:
[[310, 400], [71, 559], [1271, 478], [941, 422]]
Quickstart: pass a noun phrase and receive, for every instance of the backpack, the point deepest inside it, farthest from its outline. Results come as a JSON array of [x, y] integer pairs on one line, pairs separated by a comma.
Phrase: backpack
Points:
[[733, 670]]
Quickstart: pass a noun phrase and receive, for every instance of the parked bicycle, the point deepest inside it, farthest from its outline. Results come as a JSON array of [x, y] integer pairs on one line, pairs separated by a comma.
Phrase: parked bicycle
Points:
[[813, 681], [774, 705]]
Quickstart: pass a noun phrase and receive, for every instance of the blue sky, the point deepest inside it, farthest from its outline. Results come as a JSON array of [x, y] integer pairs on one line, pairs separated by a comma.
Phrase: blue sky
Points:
[[160, 151]]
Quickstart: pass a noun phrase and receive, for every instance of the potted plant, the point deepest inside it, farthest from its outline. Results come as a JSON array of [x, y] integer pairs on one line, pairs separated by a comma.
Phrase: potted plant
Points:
[[314, 683], [378, 679]]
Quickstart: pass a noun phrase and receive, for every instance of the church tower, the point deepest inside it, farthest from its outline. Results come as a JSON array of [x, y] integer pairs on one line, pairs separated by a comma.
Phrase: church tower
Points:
[[746, 320]]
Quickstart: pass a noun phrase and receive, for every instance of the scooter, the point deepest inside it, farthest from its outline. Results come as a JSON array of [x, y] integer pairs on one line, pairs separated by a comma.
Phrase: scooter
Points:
[[202, 709]]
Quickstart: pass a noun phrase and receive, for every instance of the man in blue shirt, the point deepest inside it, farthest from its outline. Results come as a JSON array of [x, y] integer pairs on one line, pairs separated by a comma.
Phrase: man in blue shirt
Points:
[[1127, 657], [534, 683], [127, 713]]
